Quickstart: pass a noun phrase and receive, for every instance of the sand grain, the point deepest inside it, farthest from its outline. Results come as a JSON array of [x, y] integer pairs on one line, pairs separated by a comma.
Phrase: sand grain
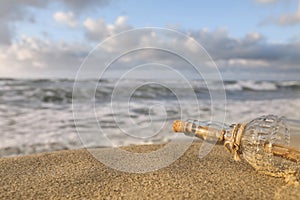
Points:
[[75, 174]]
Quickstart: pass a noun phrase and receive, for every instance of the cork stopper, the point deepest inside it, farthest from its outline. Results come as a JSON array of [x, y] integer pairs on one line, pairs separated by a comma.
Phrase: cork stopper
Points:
[[178, 126]]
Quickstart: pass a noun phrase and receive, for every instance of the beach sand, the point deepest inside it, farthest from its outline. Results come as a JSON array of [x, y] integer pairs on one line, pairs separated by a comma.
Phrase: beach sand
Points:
[[76, 174]]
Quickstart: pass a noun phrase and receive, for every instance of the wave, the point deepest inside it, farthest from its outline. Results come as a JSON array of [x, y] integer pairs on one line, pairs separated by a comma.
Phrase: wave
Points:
[[36, 115], [251, 86], [45, 91], [261, 85]]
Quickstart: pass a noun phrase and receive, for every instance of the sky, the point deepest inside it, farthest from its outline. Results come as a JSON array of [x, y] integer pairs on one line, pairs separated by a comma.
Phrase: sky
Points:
[[249, 39]]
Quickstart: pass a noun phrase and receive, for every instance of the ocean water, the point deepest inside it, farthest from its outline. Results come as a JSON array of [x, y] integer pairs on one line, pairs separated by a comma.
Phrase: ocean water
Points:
[[45, 115]]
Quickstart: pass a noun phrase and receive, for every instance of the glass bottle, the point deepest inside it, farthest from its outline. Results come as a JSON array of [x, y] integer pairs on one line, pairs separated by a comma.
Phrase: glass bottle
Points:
[[271, 144]]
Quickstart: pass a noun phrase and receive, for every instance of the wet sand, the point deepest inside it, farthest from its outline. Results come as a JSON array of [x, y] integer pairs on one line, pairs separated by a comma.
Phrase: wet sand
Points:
[[75, 174]]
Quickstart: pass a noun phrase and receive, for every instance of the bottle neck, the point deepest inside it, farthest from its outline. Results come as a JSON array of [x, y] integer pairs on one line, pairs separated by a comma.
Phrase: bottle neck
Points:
[[213, 132], [232, 139], [205, 130]]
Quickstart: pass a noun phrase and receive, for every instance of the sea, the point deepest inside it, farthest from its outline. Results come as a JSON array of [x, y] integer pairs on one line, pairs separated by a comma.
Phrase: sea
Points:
[[42, 115]]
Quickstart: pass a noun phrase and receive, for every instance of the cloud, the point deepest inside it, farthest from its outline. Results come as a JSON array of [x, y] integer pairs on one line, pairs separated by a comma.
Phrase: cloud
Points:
[[289, 19], [65, 18], [251, 50], [11, 11], [283, 20], [29, 55], [266, 1], [20, 10], [5, 33], [80, 6], [98, 29], [33, 55]]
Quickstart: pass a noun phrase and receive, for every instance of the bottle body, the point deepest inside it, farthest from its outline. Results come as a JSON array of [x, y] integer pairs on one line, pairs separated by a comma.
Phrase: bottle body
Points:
[[265, 145]]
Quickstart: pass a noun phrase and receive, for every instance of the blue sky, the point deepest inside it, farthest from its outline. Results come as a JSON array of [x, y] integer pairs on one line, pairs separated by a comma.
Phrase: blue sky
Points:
[[42, 29], [238, 17]]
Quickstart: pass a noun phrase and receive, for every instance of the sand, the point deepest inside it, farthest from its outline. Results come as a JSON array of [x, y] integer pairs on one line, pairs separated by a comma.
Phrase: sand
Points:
[[75, 174]]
